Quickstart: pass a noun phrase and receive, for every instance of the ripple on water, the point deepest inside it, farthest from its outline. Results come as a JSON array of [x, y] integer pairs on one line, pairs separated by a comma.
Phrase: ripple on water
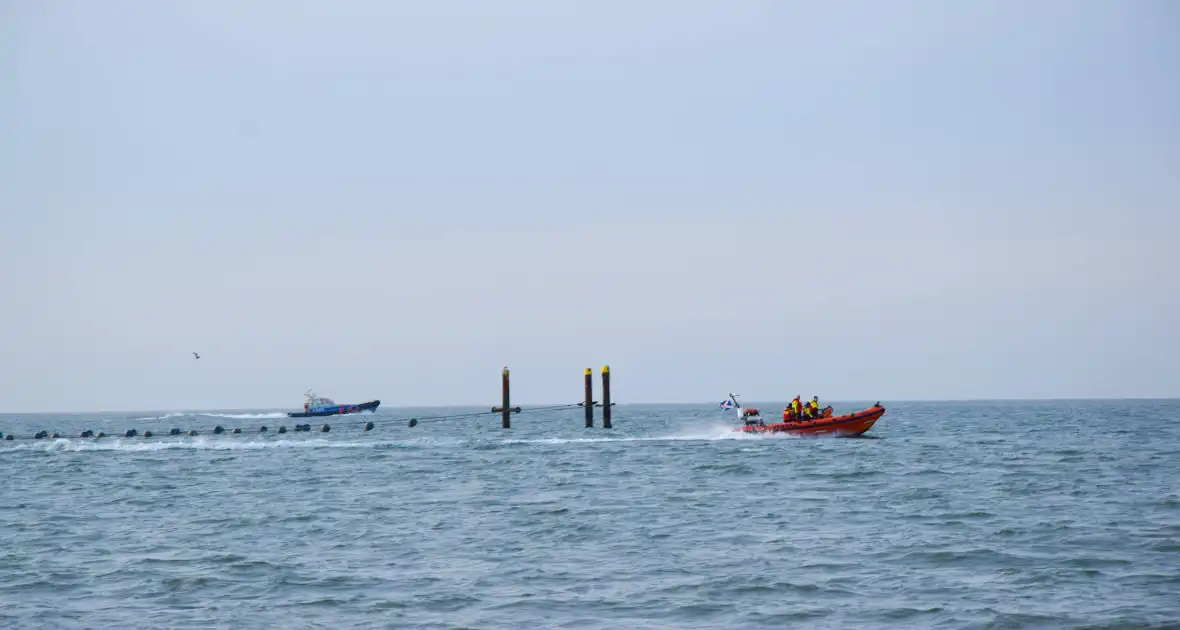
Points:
[[963, 515]]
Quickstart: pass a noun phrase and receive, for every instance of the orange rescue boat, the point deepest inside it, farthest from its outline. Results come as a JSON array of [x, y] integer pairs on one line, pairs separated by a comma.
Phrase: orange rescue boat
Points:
[[848, 424]]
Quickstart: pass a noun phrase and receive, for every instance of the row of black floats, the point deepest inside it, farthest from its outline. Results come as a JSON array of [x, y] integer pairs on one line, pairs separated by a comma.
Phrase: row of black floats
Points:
[[217, 430]]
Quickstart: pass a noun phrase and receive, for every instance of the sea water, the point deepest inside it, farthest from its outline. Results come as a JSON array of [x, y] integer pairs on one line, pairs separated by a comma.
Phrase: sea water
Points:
[[949, 515]]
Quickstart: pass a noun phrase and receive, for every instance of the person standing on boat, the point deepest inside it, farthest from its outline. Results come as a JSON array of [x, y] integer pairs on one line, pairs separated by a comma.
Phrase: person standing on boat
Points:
[[796, 408]]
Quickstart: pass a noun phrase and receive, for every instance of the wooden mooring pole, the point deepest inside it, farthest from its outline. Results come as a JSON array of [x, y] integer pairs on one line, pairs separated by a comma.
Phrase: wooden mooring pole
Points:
[[606, 397], [506, 406], [589, 404], [505, 409]]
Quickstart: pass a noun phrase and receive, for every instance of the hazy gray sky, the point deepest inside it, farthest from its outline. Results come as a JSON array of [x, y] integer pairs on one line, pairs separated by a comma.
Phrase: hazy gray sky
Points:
[[860, 200]]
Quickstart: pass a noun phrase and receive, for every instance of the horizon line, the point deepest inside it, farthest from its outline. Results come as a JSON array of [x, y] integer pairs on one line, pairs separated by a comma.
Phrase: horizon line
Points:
[[627, 404]]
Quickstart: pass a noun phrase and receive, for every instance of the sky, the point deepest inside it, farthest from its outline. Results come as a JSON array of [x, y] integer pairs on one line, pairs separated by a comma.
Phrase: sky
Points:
[[857, 200]]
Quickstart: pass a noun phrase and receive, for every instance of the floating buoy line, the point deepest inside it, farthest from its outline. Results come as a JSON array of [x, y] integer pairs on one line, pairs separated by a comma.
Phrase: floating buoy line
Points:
[[175, 431], [264, 429], [505, 410]]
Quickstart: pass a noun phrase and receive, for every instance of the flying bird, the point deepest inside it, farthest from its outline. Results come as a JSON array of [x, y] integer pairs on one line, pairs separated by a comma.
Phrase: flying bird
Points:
[[196, 356]]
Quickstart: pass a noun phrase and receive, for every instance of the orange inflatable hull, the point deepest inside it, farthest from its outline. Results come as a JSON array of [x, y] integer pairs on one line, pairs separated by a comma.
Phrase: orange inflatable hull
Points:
[[848, 424]]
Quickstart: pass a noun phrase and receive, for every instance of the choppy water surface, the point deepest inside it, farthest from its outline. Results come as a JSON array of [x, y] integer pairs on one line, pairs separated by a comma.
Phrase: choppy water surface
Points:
[[956, 516]]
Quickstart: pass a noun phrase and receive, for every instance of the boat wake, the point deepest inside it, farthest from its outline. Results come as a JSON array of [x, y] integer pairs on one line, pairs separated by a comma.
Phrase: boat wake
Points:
[[708, 432], [243, 416], [201, 414], [173, 414], [698, 431]]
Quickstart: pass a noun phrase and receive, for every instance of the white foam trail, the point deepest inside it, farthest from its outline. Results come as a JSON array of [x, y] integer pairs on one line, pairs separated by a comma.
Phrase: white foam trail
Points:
[[171, 414], [201, 414], [702, 433], [710, 430], [243, 416]]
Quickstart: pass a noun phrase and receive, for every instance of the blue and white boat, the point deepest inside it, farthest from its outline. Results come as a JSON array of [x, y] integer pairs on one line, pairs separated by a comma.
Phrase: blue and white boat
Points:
[[321, 406]]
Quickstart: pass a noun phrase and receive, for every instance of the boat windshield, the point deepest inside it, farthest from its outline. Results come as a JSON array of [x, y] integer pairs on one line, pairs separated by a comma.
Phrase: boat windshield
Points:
[[318, 402]]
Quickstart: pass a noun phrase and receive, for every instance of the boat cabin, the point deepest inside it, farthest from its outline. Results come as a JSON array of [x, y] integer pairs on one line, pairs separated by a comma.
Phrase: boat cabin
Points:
[[317, 403]]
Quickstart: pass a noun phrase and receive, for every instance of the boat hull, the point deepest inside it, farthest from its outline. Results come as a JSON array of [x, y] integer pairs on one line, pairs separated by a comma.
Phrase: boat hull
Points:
[[338, 410], [849, 424]]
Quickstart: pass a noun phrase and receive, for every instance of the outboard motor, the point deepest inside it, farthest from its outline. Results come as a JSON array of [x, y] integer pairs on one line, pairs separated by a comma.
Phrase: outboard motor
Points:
[[751, 417]]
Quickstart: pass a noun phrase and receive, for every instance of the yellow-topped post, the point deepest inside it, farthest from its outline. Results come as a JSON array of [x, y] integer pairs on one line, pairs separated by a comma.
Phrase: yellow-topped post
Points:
[[606, 397], [589, 404]]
